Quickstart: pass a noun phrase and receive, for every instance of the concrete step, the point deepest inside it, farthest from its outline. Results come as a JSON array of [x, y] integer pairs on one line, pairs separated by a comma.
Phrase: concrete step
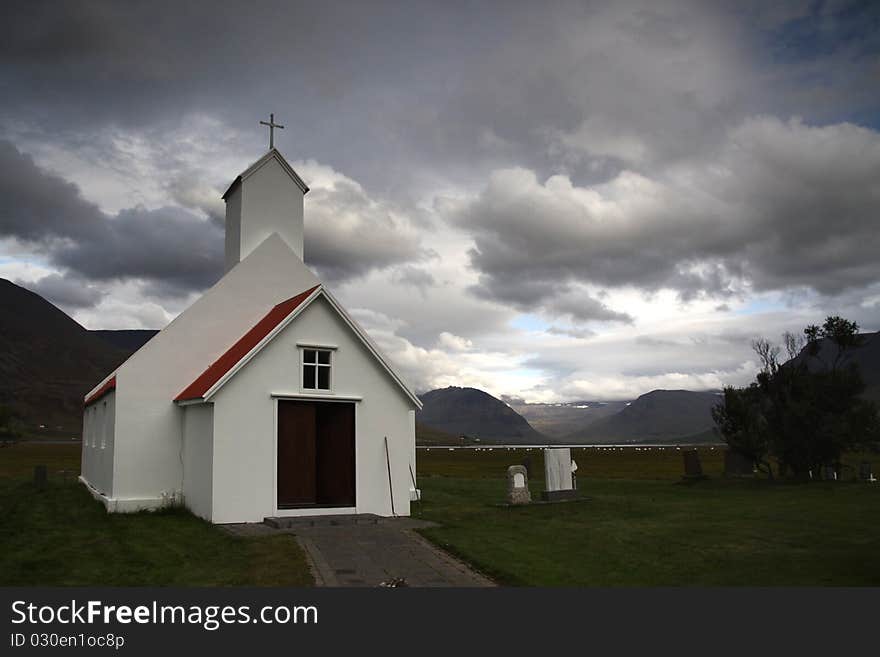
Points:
[[323, 521]]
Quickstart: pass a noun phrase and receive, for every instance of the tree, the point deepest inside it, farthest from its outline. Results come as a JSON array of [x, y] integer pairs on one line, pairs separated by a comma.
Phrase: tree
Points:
[[743, 426], [805, 412], [840, 332]]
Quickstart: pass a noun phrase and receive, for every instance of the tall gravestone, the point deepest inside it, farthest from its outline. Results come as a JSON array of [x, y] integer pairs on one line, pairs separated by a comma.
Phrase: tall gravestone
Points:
[[557, 475]]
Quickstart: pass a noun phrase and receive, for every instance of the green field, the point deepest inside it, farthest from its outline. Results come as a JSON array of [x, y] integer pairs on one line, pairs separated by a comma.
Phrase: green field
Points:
[[60, 536], [639, 526], [642, 526]]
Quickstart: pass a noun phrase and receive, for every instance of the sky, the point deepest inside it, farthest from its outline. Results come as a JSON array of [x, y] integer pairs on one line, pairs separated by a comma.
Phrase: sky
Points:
[[551, 201]]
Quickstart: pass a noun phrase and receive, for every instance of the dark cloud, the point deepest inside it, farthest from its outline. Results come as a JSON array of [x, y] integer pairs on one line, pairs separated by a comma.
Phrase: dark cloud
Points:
[[394, 91], [533, 294], [348, 233], [38, 206], [175, 252], [69, 292], [623, 137], [172, 250], [782, 205]]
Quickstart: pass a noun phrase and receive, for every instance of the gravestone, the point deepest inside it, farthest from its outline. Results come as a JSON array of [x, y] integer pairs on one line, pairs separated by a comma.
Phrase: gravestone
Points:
[[693, 469], [865, 473], [737, 464], [557, 475], [518, 485]]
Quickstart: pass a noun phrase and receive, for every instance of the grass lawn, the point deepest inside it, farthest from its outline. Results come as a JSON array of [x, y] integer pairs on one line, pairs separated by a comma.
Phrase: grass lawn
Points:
[[643, 527], [61, 536]]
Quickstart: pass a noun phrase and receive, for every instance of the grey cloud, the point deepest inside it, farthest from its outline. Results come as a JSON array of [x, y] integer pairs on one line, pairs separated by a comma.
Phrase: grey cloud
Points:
[[169, 247], [348, 233], [415, 276], [38, 205], [175, 252], [68, 292], [189, 191], [531, 294], [780, 205], [653, 341], [435, 89], [583, 308], [578, 333]]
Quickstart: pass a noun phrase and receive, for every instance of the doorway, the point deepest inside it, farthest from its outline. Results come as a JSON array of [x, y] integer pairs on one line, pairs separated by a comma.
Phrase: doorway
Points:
[[316, 463]]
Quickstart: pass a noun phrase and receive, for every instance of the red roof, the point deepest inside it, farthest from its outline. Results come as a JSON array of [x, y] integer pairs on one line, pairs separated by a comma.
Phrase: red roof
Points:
[[100, 392], [198, 388]]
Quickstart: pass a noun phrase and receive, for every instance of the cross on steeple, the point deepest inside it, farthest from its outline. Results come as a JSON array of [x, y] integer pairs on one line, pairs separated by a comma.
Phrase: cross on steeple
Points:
[[272, 125]]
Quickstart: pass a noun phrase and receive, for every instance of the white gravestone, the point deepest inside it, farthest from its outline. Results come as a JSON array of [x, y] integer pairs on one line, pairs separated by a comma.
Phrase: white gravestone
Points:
[[557, 474], [518, 485]]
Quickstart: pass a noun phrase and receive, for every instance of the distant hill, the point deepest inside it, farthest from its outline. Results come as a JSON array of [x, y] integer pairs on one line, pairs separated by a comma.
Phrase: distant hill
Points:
[[559, 420], [866, 357], [427, 436], [129, 340], [655, 417], [474, 413], [48, 362]]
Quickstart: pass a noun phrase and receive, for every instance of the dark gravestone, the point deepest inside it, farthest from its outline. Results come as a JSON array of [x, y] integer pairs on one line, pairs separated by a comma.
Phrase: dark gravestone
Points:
[[865, 473], [693, 469], [737, 464], [828, 473], [40, 477]]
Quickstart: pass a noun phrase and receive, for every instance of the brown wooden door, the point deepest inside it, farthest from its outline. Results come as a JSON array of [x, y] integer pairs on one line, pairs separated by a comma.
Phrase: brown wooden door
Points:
[[316, 463], [335, 454], [297, 433]]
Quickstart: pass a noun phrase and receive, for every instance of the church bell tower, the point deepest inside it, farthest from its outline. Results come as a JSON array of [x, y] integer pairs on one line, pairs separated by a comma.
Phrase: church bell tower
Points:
[[266, 198]]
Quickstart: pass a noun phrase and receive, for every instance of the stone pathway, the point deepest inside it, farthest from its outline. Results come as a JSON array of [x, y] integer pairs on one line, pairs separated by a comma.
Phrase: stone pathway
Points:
[[370, 550]]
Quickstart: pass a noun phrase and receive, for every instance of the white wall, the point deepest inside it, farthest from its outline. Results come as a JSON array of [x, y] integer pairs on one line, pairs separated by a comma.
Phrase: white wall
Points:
[[198, 458], [244, 422], [99, 422], [149, 425]]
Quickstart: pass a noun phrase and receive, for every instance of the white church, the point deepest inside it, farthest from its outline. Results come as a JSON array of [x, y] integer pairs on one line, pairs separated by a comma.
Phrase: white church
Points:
[[264, 398]]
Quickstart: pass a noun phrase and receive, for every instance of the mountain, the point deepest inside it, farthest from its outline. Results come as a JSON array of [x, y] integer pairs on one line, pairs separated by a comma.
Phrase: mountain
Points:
[[559, 420], [655, 416], [48, 362], [866, 357], [129, 340], [428, 436], [476, 414]]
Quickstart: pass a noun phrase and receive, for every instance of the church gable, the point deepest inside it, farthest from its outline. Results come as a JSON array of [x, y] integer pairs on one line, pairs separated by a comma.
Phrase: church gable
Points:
[[245, 348], [272, 324]]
